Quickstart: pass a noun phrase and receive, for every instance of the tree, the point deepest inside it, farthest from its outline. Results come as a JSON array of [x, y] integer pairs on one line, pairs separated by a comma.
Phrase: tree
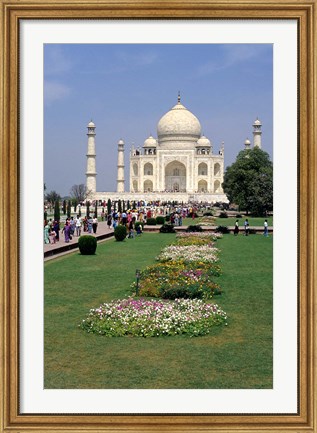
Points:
[[64, 207], [96, 208], [109, 206], [52, 197], [69, 209], [79, 192], [87, 208], [248, 182], [119, 206], [57, 214]]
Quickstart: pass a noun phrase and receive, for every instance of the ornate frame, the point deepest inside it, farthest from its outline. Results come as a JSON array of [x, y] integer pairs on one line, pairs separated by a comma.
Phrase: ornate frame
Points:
[[12, 11]]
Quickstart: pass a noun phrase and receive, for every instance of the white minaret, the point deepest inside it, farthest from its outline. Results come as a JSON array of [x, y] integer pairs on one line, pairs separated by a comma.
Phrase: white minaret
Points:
[[91, 158], [257, 125], [120, 178], [247, 144]]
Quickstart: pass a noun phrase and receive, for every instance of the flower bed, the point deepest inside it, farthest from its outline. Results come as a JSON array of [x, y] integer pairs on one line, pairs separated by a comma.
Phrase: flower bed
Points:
[[143, 318], [177, 279], [197, 238], [189, 253]]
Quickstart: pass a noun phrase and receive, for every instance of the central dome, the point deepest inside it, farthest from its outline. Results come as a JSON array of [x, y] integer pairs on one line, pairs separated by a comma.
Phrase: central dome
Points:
[[178, 123]]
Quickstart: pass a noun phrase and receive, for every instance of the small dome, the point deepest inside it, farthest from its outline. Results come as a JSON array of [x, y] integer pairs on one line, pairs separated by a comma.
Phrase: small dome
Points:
[[178, 122], [91, 125], [121, 141], [257, 122], [247, 142], [150, 142], [203, 142]]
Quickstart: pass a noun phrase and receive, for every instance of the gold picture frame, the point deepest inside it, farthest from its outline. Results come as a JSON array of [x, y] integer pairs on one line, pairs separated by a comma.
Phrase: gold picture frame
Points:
[[12, 12]]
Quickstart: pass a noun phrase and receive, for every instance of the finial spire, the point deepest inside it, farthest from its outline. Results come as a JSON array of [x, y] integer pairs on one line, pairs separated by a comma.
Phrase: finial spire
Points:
[[179, 97]]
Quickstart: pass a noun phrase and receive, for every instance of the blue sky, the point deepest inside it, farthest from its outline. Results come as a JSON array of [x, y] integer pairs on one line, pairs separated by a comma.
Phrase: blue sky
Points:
[[126, 88]]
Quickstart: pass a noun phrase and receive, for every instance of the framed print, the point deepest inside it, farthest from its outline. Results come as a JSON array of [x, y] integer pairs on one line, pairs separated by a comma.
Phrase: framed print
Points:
[[40, 41]]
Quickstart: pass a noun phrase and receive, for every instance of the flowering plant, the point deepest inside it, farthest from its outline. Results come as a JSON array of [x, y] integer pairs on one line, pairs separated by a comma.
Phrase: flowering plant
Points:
[[189, 253], [177, 279], [145, 318]]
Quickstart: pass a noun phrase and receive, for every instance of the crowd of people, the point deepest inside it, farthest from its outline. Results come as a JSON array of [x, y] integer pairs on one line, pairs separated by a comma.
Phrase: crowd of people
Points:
[[75, 226]]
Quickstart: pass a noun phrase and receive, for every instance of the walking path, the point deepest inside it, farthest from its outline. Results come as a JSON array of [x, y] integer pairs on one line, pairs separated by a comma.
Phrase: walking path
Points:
[[52, 251]]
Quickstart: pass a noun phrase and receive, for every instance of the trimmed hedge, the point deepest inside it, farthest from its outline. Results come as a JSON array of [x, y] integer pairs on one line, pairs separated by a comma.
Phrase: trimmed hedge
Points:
[[167, 228], [160, 220], [151, 222], [87, 245], [120, 233], [222, 229], [194, 228]]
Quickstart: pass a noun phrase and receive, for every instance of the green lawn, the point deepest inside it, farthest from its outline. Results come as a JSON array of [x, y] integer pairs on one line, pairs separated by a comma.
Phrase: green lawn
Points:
[[235, 356], [230, 221]]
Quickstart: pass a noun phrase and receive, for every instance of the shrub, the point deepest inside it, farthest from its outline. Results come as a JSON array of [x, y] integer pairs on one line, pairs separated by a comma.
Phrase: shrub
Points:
[[239, 215], [194, 228], [223, 215], [120, 232], [87, 245], [151, 222], [160, 220], [222, 229], [167, 228], [167, 218], [209, 213]]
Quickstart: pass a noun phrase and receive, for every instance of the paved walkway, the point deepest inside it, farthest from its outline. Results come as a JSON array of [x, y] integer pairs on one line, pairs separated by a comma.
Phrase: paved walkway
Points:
[[52, 251], [61, 247]]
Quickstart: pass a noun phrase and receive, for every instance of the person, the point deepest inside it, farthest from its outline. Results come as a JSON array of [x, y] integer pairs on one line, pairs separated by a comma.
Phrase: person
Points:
[[52, 237], [66, 231], [78, 225], [109, 220], [85, 222], [72, 226], [236, 228], [246, 227], [131, 228], [95, 224], [266, 230], [46, 232], [56, 229], [102, 215], [139, 229], [89, 226]]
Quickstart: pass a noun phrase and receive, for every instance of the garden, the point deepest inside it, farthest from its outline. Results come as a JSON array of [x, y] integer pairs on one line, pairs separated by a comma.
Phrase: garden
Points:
[[216, 288]]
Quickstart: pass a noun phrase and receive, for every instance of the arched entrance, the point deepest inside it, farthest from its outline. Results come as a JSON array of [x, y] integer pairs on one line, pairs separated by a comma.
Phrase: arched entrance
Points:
[[175, 177], [148, 186], [202, 186]]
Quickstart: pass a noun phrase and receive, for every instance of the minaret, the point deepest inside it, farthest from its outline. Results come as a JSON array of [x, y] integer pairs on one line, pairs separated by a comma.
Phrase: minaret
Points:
[[247, 144], [222, 149], [120, 178], [91, 158], [257, 133]]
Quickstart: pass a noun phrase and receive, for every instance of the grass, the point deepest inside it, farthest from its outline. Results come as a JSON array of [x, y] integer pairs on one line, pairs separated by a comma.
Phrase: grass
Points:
[[236, 356], [230, 221]]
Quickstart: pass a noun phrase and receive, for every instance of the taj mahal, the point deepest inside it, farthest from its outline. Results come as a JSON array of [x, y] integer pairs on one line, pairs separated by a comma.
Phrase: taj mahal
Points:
[[180, 164]]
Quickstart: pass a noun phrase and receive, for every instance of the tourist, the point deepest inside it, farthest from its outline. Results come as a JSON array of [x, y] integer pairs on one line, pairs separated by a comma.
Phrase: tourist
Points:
[[102, 215], [95, 224], [246, 227], [89, 224], [56, 229], [46, 232], [66, 231], [236, 228], [176, 219], [139, 229], [78, 225], [109, 220], [131, 228], [52, 237], [72, 226], [85, 223], [266, 229]]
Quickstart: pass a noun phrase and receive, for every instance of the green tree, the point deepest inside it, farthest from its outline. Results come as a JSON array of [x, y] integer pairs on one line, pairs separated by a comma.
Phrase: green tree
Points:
[[119, 206], [52, 197], [109, 206], [57, 213], [64, 207], [87, 208], [69, 208], [248, 182], [96, 208]]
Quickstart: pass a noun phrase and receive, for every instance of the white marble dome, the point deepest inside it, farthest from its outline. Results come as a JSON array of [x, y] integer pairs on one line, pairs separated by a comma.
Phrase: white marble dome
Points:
[[178, 123], [91, 124], [150, 142], [203, 142]]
